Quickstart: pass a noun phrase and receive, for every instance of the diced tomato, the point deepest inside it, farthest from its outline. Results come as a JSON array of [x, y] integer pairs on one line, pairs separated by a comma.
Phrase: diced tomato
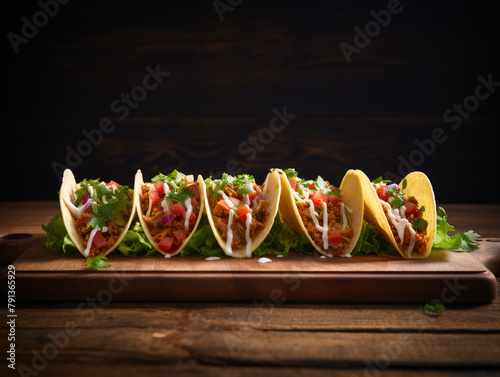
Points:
[[293, 183], [99, 240], [334, 235], [165, 243], [153, 195], [224, 205], [113, 183], [189, 178], [178, 210], [333, 199], [179, 235], [159, 187], [243, 211], [319, 198], [311, 186], [196, 191], [411, 208], [258, 198], [236, 202], [252, 196], [382, 192]]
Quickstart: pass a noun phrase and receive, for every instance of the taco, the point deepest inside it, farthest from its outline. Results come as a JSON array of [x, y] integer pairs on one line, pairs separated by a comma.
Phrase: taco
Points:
[[241, 212], [330, 217], [169, 209], [96, 214], [405, 213]]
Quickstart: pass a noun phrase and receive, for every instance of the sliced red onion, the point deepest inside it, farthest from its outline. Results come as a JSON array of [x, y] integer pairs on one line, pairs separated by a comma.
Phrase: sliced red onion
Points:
[[85, 198], [165, 219], [393, 185], [86, 205]]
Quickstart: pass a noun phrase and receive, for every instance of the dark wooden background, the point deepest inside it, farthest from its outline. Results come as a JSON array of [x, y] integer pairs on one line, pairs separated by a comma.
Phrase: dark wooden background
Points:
[[225, 78]]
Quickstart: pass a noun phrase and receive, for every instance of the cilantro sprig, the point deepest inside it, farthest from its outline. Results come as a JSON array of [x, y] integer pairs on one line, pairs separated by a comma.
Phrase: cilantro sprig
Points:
[[243, 182]]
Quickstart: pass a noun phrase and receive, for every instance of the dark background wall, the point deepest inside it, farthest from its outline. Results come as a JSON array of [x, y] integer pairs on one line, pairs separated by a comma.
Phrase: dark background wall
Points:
[[221, 82]]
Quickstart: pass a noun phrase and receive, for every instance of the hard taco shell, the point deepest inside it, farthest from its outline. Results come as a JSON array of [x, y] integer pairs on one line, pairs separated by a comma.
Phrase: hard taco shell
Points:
[[351, 195], [417, 185]]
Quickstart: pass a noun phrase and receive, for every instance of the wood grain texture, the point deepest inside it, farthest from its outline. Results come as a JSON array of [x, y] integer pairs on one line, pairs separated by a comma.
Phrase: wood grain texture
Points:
[[448, 276]]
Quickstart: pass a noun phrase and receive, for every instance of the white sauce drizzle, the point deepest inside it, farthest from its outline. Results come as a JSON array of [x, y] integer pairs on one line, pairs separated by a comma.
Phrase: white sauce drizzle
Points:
[[226, 199], [345, 220], [229, 240], [86, 252], [264, 260], [248, 251], [248, 222], [400, 224], [77, 211], [212, 258], [323, 229], [189, 211], [165, 203]]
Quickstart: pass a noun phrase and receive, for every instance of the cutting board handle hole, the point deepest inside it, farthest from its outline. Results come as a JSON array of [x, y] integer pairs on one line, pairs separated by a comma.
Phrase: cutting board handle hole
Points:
[[16, 236], [491, 239]]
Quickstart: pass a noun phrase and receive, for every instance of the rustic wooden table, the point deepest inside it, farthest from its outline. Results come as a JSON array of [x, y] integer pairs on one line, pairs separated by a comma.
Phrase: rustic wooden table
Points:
[[171, 338]]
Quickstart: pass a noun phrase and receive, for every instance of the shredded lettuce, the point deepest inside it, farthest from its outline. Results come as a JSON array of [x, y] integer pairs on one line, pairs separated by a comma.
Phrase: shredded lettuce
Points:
[[135, 242], [372, 242], [280, 240]]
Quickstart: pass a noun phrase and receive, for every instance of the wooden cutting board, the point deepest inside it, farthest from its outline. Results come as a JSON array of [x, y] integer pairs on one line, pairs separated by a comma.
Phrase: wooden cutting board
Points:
[[450, 277]]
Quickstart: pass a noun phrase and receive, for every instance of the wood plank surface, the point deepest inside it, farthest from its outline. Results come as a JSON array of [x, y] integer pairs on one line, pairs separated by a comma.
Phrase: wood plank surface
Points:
[[259, 337], [222, 338]]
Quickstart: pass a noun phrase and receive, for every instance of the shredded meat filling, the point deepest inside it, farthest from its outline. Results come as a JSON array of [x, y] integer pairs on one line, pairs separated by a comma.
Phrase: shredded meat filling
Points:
[[334, 216], [154, 220], [259, 215], [111, 236], [420, 235]]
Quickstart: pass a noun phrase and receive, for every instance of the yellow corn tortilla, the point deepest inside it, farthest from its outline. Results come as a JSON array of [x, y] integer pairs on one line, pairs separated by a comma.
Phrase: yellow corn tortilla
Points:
[[67, 191], [139, 181], [417, 185], [271, 193], [351, 195]]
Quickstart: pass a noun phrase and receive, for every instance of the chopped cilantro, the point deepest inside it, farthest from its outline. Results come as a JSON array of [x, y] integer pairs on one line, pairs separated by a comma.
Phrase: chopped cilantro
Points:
[[238, 181], [180, 197], [419, 223], [434, 310], [380, 180]]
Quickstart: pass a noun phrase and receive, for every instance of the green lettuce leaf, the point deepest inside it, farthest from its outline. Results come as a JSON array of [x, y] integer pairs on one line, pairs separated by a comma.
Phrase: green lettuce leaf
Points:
[[135, 242], [57, 239], [442, 240], [98, 262], [372, 242]]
